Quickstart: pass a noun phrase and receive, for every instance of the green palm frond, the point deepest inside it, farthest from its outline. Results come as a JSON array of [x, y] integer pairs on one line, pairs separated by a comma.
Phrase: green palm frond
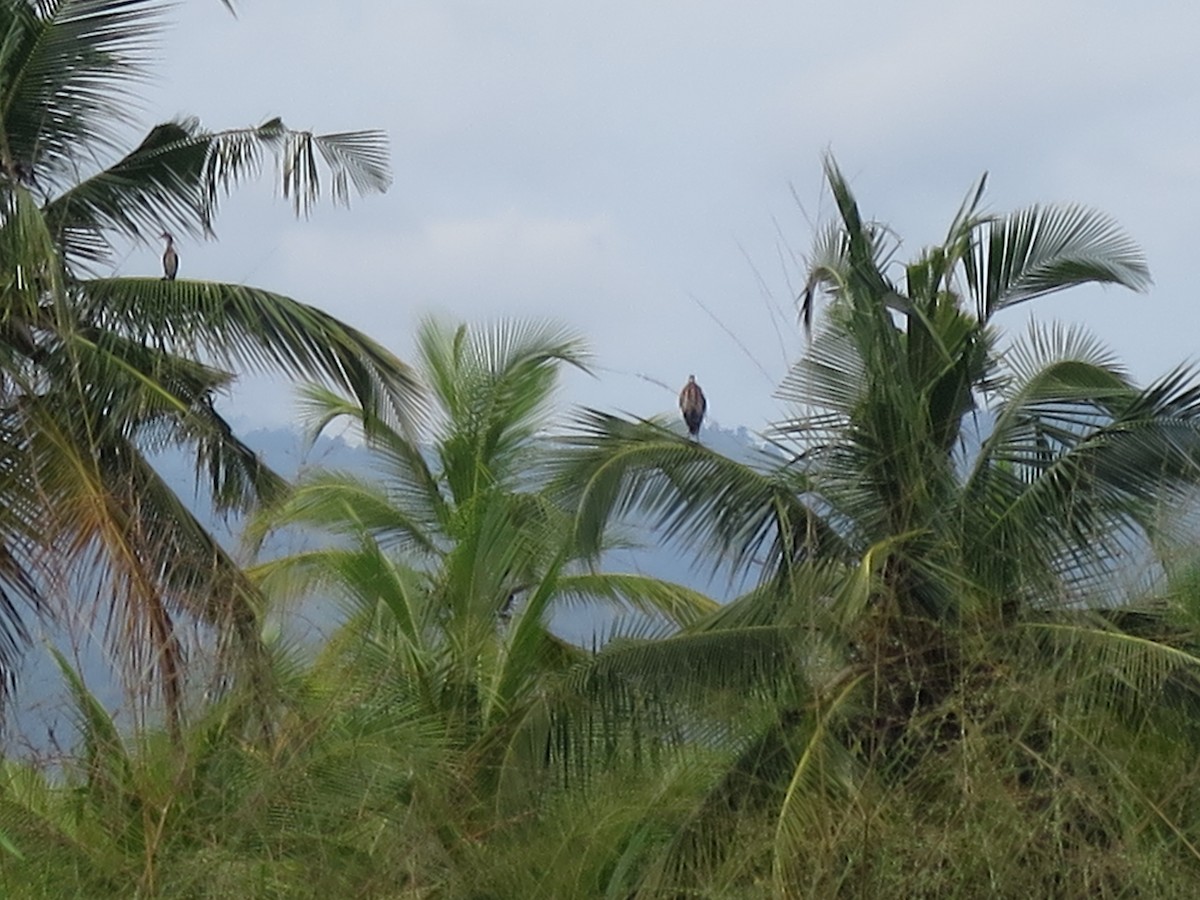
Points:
[[1056, 383], [743, 514], [1041, 250], [1129, 670], [106, 757], [343, 503], [743, 661], [69, 68], [493, 388], [163, 400], [176, 177], [848, 258], [118, 529], [1079, 461], [372, 583], [247, 327], [829, 377], [753, 780], [158, 185], [403, 471], [641, 593], [821, 787], [30, 268]]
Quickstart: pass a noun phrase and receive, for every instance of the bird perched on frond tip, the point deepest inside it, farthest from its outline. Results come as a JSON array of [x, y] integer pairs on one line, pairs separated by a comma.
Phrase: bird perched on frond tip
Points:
[[693, 406], [170, 258]]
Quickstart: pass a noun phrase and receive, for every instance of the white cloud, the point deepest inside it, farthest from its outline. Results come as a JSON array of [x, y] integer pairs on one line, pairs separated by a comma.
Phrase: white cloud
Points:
[[606, 164]]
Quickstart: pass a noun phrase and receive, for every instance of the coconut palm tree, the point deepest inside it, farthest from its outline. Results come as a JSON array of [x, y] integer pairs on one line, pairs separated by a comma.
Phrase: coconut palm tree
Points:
[[97, 371], [937, 532], [454, 559]]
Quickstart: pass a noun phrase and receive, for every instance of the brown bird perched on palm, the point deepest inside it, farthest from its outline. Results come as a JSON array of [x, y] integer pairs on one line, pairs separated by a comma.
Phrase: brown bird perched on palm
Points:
[[693, 405], [170, 258]]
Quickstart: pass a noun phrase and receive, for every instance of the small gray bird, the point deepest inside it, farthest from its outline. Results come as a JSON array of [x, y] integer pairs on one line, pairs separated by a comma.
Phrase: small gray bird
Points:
[[693, 405], [170, 258]]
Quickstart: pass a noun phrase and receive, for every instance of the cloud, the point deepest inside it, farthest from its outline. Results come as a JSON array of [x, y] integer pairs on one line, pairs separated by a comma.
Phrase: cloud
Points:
[[608, 164], [506, 262]]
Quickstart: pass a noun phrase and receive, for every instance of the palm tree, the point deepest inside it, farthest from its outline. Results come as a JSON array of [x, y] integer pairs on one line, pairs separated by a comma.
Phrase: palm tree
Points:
[[454, 560], [936, 530], [95, 371]]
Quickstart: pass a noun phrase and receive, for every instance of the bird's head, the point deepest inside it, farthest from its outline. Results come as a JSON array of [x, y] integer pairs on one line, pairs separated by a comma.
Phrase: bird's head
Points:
[[167, 236]]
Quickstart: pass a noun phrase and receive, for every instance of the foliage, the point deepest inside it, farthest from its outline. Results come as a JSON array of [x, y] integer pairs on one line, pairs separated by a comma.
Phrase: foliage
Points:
[[936, 605], [453, 561], [97, 372]]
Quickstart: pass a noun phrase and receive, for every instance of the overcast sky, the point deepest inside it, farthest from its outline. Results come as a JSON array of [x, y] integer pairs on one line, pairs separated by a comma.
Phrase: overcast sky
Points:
[[628, 168]]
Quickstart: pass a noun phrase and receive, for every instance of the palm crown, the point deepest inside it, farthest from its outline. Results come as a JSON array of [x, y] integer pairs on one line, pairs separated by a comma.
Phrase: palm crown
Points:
[[938, 511], [454, 557]]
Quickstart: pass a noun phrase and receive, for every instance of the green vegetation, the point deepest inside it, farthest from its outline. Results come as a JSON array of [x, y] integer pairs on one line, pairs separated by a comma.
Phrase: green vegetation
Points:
[[940, 684], [98, 371]]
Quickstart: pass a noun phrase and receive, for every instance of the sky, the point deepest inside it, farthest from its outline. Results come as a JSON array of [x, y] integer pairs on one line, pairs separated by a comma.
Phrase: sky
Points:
[[649, 173]]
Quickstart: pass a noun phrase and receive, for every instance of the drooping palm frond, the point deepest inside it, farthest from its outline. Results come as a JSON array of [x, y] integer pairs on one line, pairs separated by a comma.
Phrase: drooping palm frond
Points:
[[754, 780], [372, 585], [117, 530], [692, 665], [158, 185], [745, 515], [343, 503], [250, 328], [1079, 461], [106, 758], [354, 159], [177, 176], [1133, 666], [640, 593], [30, 267], [822, 780], [161, 400]]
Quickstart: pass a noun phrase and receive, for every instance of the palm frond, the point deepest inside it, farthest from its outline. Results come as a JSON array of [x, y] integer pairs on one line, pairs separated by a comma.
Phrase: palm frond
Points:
[[117, 529], [692, 665], [247, 327], [106, 758], [345, 504], [1041, 250], [821, 783], [164, 400], [156, 186], [355, 160], [612, 467], [1129, 671], [68, 69], [493, 387], [649, 596], [829, 377]]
